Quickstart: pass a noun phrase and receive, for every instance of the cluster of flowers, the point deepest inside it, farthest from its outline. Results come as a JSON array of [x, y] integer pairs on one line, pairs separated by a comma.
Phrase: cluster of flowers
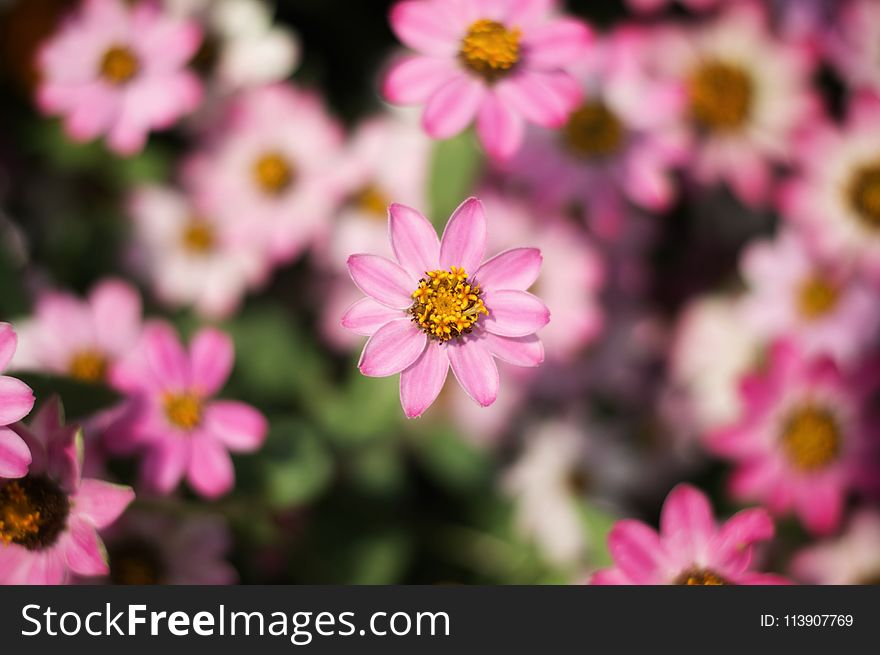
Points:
[[586, 134]]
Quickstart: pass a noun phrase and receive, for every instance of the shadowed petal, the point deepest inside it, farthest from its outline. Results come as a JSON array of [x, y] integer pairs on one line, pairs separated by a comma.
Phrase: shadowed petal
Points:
[[382, 280], [475, 371], [421, 383], [8, 343], [413, 240], [514, 313], [464, 239], [392, 348]]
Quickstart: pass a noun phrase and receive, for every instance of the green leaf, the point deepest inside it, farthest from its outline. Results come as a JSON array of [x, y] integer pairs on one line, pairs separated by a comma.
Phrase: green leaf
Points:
[[368, 409], [452, 461], [80, 399], [597, 524], [295, 464], [455, 168]]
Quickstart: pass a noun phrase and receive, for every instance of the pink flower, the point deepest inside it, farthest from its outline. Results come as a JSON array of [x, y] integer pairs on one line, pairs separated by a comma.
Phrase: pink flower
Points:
[[801, 441], [16, 402], [691, 548], [49, 518], [852, 558], [853, 44], [503, 63], [81, 338], [647, 6], [270, 165], [819, 303], [427, 312], [119, 71], [175, 420], [192, 258]]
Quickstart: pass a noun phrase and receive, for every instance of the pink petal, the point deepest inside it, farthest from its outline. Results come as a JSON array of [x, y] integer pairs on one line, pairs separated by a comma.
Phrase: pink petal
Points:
[[382, 280], [83, 551], [517, 268], [102, 502], [610, 577], [48, 567], [637, 551], [475, 370], [821, 510], [738, 533], [687, 524], [237, 425], [429, 27], [557, 44], [15, 456], [164, 465], [210, 471], [412, 80], [528, 12], [452, 107], [762, 579], [211, 358], [420, 384], [8, 343], [514, 313], [414, 240], [464, 239], [543, 98], [499, 127], [366, 316], [166, 355], [392, 348], [16, 400], [117, 313], [519, 351]]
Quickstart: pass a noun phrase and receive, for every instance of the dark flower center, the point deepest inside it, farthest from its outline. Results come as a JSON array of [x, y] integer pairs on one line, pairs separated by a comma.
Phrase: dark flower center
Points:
[[593, 131], [864, 195], [721, 96], [135, 561], [88, 366], [198, 236], [33, 512], [119, 65]]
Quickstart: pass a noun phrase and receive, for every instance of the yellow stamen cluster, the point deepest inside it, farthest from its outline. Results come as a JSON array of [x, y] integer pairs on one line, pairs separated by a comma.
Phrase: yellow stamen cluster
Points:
[[198, 236], [490, 49], [119, 64], [18, 518], [273, 173], [88, 366], [817, 297], [446, 305], [183, 410], [811, 438], [721, 95], [593, 130], [700, 577], [33, 512], [864, 195]]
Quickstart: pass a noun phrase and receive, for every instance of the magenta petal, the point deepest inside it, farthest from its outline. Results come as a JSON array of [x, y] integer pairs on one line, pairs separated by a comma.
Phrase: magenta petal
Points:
[[392, 348], [412, 80], [366, 316], [420, 384], [686, 522], [382, 280], [557, 44], [607, 577], [499, 127], [542, 98], [637, 551], [426, 26], [452, 107], [240, 427], [102, 502], [210, 471], [8, 343], [166, 355], [519, 351], [464, 239], [514, 313], [164, 465], [83, 550], [517, 268], [743, 529], [413, 240], [475, 370], [15, 456], [211, 356], [117, 311], [16, 400]]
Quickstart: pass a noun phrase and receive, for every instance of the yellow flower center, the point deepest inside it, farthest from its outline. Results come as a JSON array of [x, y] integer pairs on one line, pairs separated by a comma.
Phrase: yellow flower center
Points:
[[446, 305], [198, 236], [183, 410], [273, 173], [135, 562], [817, 297], [119, 64], [811, 438], [371, 200], [593, 130], [490, 49], [864, 195], [88, 366], [33, 512], [701, 577], [721, 96]]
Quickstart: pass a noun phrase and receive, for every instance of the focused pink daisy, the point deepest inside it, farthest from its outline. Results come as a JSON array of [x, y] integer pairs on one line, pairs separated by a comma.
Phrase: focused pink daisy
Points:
[[438, 306], [49, 518], [691, 547], [120, 71], [16, 402], [175, 421], [802, 441], [503, 63]]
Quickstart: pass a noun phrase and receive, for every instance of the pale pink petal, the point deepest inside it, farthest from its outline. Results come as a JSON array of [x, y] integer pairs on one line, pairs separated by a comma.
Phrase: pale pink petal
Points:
[[47, 567], [429, 27], [392, 348], [16, 400], [366, 316], [514, 313], [542, 98], [464, 239], [8, 343], [414, 240], [166, 355], [519, 351], [420, 383], [102, 502], [637, 551], [499, 127], [610, 577], [452, 107], [117, 313], [237, 425], [528, 12], [557, 44], [738, 533], [517, 268], [83, 551], [382, 279], [475, 370], [686, 522], [15, 456], [211, 357], [412, 80], [210, 471]]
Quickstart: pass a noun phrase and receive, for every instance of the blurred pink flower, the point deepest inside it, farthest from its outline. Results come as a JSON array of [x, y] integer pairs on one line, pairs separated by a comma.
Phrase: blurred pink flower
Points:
[[175, 420], [691, 548], [503, 63], [835, 198], [853, 44], [819, 304], [51, 516], [190, 257], [852, 558], [120, 71], [426, 312], [801, 441], [648, 6], [16, 402], [270, 163]]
